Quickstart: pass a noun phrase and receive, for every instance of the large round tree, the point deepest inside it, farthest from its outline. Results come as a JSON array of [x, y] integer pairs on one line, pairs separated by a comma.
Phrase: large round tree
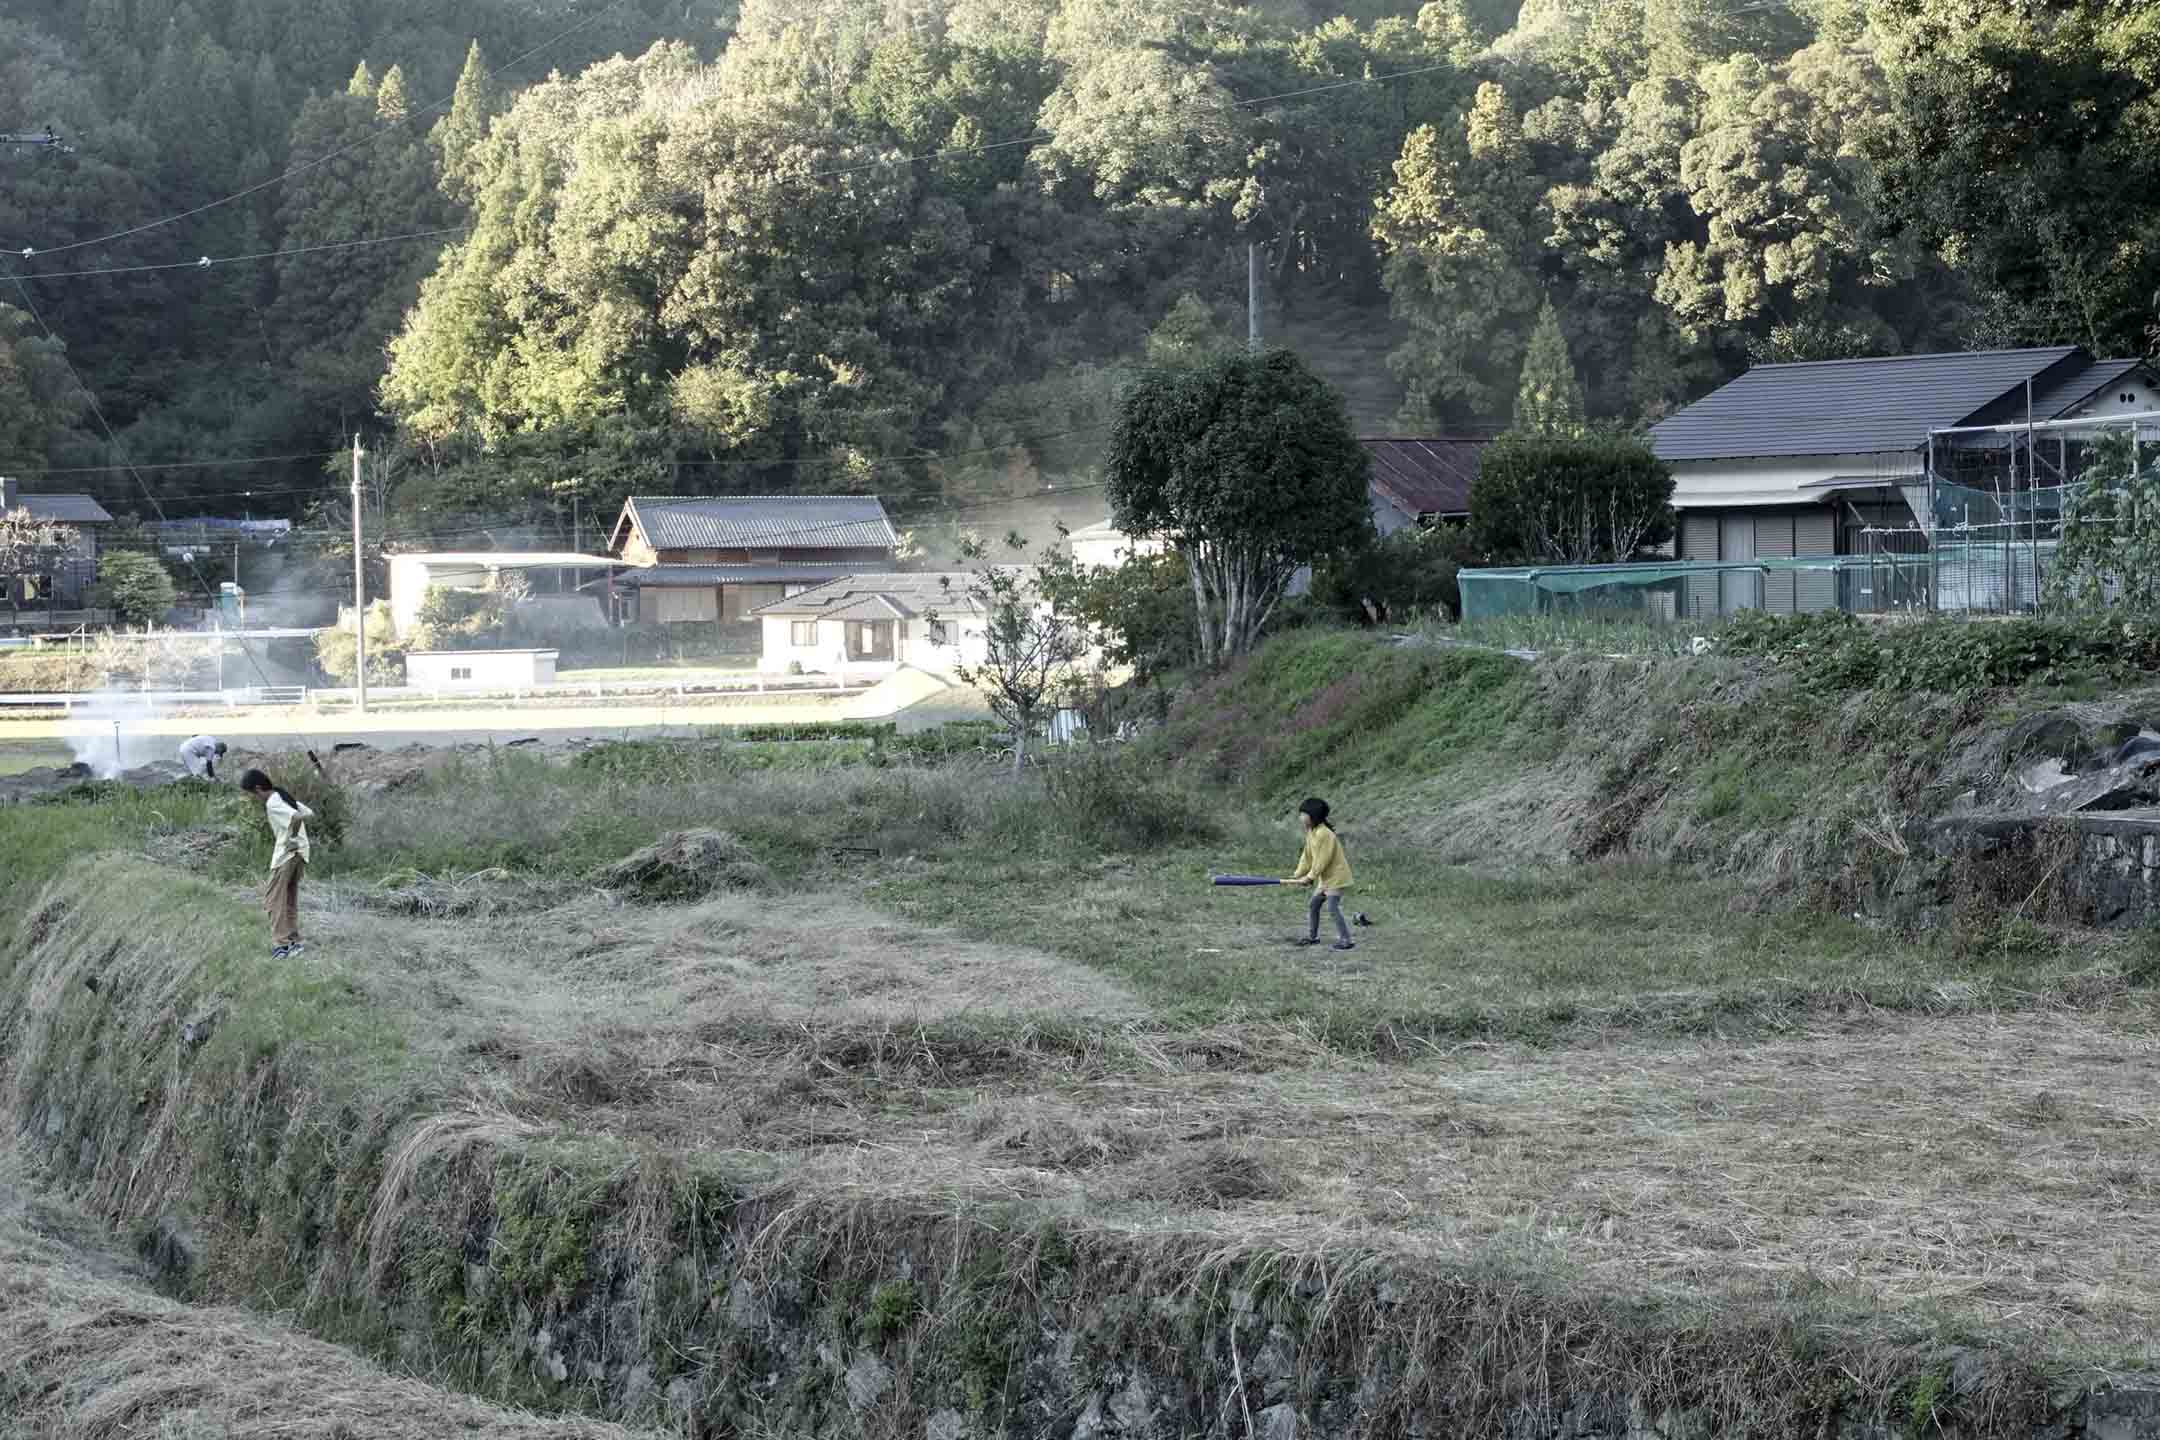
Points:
[[1247, 464]]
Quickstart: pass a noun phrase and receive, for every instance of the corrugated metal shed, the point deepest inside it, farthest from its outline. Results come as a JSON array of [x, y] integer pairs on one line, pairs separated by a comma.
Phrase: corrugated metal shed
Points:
[[1425, 476], [769, 522], [65, 509], [1853, 407]]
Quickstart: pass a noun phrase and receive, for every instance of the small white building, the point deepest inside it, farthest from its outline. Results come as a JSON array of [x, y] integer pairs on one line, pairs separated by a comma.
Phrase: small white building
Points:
[[874, 624], [1105, 547], [479, 669]]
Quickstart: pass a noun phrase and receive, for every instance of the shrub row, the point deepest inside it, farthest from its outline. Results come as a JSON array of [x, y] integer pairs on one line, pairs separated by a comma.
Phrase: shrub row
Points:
[[50, 674]]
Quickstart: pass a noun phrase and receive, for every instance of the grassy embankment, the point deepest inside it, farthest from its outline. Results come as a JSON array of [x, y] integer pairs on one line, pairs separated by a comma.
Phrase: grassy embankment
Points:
[[1582, 1114]]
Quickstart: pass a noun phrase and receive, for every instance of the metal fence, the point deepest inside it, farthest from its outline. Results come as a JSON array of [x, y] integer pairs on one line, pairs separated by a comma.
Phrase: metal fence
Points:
[[1991, 509]]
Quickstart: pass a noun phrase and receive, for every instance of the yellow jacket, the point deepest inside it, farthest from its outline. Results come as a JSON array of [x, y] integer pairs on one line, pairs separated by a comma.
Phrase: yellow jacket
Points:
[[1323, 862]]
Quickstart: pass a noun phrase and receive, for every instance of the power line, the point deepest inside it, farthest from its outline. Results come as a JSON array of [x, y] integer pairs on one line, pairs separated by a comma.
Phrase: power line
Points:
[[169, 465], [1039, 136], [880, 462], [258, 187], [113, 440], [209, 261]]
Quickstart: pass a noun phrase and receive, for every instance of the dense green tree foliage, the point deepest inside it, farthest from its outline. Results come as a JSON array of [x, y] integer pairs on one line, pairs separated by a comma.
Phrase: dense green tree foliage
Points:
[[1247, 465], [1569, 499], [919, 247]]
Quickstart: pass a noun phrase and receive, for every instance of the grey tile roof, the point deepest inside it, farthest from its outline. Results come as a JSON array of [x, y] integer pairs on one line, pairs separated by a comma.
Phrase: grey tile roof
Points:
[[1840, 407], [780, 522], [911, 593], [676, 577], [1424, 476], [64, 509]]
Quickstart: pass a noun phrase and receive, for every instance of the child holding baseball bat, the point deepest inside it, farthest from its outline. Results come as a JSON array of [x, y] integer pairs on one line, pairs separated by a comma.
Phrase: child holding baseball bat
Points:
[[1323, 866]]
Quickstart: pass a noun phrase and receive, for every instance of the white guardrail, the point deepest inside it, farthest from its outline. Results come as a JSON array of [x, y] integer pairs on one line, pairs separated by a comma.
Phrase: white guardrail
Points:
[[264, 695]]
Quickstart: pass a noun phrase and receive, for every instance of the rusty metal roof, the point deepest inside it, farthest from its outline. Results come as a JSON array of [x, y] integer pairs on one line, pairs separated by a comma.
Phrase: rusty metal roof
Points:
[[1423, 476]]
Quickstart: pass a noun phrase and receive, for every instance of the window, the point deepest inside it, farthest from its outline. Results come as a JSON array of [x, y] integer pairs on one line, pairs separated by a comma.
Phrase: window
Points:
[[939, 634], [803, 633], [461, 672]]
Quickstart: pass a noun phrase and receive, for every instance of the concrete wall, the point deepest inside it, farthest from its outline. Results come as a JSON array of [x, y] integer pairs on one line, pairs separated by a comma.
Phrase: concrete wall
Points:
[[480, 669], [1106, 550]]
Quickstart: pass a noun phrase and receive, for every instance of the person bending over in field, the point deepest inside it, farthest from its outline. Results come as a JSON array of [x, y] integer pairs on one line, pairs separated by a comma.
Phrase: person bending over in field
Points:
[[288, 859], [1324, 867], [201, 755]]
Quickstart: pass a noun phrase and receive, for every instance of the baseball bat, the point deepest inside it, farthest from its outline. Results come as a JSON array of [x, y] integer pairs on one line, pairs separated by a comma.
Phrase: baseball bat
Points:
[[1246, 880]]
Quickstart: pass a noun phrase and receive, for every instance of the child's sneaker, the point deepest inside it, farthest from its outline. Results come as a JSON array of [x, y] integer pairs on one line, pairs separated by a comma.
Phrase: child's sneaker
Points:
[[1306, 940], [1344, 945], [296, 949], [279, 952]]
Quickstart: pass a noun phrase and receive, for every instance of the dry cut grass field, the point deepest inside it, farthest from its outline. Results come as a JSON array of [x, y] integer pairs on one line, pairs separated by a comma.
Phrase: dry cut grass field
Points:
[[937, 986], [1971, 1150]]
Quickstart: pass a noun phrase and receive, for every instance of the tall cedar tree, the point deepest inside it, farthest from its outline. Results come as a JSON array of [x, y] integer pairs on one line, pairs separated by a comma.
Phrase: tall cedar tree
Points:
[[1549, 400]]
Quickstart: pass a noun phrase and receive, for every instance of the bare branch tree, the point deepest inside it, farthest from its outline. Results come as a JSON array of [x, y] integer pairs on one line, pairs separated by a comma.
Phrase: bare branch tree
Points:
[[1034, 648], [30, 548]]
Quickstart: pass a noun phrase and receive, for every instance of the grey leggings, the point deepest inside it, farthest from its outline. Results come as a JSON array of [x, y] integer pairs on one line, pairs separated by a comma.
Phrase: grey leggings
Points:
[[1334, 905]]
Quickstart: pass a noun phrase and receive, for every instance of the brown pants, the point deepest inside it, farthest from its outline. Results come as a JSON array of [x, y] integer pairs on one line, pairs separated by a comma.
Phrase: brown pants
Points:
[[282, 900]]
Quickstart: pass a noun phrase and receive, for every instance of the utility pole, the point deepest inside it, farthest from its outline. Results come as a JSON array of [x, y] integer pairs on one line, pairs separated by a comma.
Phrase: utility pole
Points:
[[1252, 296], [359, 581]]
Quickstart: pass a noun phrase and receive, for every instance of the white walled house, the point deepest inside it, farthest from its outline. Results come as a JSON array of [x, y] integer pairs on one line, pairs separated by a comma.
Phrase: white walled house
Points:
[[867, 625], [479, 669], [1812, 459]]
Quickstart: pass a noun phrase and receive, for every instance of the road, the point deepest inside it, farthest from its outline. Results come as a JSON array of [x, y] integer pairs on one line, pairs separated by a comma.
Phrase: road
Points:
[[144, 738]]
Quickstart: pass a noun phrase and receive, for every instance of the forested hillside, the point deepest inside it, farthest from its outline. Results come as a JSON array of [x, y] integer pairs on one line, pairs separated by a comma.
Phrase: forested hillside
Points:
[[545, 254]]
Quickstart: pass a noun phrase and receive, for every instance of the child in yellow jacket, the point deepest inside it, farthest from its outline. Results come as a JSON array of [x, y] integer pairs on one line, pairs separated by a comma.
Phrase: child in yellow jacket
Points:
[[1324, 867]]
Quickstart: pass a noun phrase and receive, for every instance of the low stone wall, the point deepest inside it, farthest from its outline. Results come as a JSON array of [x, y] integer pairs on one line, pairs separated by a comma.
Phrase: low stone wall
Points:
[[2098, 869]]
